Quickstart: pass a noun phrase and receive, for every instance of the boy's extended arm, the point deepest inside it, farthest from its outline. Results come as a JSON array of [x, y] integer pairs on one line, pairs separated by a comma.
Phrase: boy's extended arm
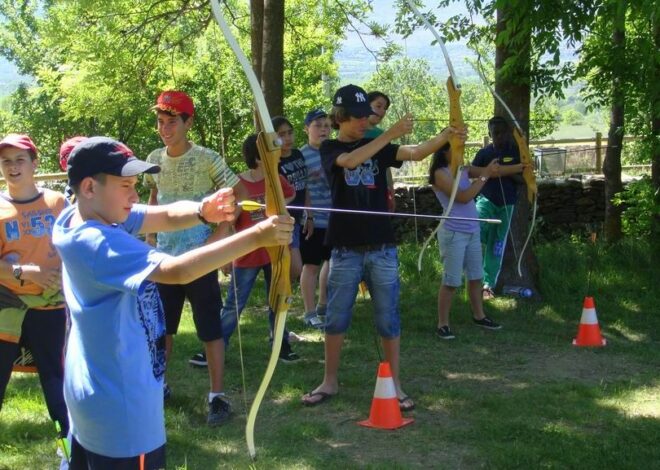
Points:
[[352, 160], [185, 268], [421, 151], [216, 208]]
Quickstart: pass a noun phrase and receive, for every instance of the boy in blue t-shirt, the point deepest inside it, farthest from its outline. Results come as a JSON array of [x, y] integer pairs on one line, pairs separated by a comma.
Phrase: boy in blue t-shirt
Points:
[[116, 351], [314, 252]]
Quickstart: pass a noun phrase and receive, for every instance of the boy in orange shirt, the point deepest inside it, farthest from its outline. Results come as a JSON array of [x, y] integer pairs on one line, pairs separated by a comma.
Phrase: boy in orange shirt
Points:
[[30, 270]]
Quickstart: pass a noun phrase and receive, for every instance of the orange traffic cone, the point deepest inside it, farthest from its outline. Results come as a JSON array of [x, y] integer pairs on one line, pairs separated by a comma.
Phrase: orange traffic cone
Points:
[[589, 331], [385, 412]]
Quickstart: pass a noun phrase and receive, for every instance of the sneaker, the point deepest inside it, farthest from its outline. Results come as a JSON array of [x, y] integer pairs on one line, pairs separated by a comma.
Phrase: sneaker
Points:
[[486, 322], [487, 293], [167, 392], [219, 411], [444, 333], [198, 360], [287, 355], [313, 320]]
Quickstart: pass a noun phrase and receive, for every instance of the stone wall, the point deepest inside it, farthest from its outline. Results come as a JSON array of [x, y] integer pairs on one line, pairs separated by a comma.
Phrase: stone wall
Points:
[[565, 205]]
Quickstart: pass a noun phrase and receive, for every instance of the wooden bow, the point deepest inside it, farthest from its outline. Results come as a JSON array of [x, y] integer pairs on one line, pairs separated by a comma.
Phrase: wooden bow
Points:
[[280, 257], [525, 158], [457, 146]]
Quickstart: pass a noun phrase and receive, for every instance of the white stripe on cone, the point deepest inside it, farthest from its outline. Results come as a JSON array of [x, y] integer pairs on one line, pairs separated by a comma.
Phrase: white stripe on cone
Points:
[[589, 316], [385, 388]]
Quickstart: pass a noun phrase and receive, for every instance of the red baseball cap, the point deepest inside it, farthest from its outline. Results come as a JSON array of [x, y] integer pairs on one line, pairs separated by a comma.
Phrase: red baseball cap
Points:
[[175, 102], [66, 147], [20, 141]]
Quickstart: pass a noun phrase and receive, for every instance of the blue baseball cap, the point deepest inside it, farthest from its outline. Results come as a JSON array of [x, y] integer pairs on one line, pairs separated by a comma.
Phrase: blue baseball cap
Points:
[[315, 114], [104, 155]]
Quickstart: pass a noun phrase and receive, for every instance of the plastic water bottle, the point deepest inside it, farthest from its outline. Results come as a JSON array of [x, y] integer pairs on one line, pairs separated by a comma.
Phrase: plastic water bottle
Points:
[[517, 291]]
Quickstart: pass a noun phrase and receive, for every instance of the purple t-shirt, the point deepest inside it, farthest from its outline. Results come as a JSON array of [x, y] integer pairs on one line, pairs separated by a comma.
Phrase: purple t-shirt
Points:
[[465, 209]]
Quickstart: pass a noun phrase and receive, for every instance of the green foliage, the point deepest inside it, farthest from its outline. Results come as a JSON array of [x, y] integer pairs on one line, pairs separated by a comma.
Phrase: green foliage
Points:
[[633, 69], [551, 23], [98, 67], [572, 117], [639, 200]]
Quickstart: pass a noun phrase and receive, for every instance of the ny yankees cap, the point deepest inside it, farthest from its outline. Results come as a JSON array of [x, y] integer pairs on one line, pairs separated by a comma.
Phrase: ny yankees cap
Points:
[[354, 100]]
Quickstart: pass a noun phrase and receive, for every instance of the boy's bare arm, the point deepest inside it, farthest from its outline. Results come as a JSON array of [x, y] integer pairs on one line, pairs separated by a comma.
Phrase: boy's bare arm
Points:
[[361, 154], [185, 268], [46, 278], [423, 150], [216, 208], [153, 196]]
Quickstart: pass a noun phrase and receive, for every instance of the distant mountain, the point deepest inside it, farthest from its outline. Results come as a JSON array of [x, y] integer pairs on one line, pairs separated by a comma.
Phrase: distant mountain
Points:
[[9, 78], [356, 64]]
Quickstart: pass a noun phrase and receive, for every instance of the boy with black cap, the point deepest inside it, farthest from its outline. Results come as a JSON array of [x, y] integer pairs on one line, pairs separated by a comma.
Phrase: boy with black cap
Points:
[[190, 172], [30, 275], [361, 248], [116, 350], [315, 253]]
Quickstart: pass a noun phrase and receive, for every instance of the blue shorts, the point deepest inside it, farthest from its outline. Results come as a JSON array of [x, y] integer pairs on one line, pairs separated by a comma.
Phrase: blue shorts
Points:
[[379, 267], [295, 240], [459, 251]]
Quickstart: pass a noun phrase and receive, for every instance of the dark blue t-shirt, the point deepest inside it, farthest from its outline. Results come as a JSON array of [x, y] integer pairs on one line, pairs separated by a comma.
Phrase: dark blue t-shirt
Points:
[[506, 194], [363, 188], [294, 169]]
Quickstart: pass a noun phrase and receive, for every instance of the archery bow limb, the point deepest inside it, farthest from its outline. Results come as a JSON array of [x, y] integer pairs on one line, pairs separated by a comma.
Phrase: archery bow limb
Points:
[[457, 146], [280, 288], [525, 158]]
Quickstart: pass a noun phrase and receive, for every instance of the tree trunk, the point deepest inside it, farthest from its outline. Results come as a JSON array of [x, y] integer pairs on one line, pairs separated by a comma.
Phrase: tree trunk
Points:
[[272, 57], [612, 163], [256, 34], [256, 42], [514, 88], [655, 155]]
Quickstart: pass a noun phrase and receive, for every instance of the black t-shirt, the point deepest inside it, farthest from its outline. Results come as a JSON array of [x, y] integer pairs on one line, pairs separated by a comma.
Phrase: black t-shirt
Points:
[[363, 188], [508, 155], [293, 168]]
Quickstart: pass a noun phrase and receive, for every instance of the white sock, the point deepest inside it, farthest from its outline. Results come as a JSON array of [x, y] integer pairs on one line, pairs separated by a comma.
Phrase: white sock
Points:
[[212, 395]]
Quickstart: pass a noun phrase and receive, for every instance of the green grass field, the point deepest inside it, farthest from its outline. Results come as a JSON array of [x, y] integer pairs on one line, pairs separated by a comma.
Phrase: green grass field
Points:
[[522, 397]]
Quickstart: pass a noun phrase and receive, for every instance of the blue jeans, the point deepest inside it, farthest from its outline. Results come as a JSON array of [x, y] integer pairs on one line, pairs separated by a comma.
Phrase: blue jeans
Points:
[[380, 269], [239, 290]]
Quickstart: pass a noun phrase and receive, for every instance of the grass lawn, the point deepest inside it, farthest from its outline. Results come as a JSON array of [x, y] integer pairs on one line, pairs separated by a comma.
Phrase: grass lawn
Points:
[[522, 397]]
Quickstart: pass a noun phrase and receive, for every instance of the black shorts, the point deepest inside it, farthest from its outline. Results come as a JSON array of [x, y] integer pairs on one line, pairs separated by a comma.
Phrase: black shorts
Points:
[[83, 459], [206, 303], [314, 251]]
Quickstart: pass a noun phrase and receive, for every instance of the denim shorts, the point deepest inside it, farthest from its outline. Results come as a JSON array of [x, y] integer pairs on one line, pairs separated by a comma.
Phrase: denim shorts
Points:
[[295, 240], [459, 252], [379, 267]]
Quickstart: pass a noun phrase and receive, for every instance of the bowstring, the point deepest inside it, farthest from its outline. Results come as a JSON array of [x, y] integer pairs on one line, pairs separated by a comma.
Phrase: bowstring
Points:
[[233, 268]]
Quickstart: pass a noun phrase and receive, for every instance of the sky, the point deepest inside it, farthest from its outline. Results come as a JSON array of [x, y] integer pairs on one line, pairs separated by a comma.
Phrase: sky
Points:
[[356, 63]]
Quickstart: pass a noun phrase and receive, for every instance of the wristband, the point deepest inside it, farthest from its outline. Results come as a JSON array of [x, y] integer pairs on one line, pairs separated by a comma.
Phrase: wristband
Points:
[[199, 214], [17, 272]]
